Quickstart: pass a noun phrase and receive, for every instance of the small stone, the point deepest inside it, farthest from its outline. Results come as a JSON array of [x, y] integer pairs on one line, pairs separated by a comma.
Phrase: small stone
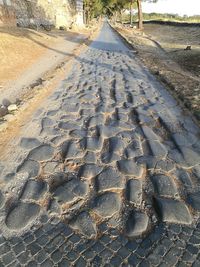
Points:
[[173, 211], [3, 111], [164, 185], [129, 167], [137, 224], [70, 191], [107, 204], [21, 215], [12, 107], [85, 224], [194, 200], [134, 191], [34, 190], [41, 153], [108, 179]]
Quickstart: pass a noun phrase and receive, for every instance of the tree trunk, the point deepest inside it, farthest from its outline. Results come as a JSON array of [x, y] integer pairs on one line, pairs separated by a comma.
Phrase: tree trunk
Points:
[[131, 15], [140, 15]]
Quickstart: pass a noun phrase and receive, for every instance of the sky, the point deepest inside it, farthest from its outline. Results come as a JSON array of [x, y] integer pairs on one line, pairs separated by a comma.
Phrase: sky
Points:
[[181, 7]]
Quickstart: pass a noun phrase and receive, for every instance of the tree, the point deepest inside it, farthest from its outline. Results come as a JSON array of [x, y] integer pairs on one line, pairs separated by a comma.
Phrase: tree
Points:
[[140, 14]]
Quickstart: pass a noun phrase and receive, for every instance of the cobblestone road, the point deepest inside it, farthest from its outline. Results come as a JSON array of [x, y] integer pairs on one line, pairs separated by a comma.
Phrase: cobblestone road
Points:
[[106, 173]]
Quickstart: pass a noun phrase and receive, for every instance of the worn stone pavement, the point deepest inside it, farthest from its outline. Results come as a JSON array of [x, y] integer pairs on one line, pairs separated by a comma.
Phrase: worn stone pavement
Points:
[[106, 173]]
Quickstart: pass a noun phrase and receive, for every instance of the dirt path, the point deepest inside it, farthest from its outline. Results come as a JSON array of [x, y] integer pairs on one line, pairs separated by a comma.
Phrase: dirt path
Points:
[[106, 172], [26, 56]]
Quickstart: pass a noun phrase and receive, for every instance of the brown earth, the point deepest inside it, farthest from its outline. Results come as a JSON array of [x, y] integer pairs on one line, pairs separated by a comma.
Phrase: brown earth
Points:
[[162, 50], [20, 48]]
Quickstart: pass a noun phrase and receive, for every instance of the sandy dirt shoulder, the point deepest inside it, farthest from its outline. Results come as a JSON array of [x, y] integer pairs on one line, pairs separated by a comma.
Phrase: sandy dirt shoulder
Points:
[[27, 55]]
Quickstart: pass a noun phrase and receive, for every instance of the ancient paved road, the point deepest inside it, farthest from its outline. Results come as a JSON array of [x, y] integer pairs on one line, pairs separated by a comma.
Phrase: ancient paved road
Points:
[[106, 173]]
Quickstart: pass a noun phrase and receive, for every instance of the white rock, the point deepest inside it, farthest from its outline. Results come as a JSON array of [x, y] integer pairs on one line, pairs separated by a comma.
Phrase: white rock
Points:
[[12, 107]]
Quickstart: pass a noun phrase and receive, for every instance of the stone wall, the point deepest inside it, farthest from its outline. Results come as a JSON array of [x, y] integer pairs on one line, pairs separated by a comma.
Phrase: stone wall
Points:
[[7, 14], [48, 12]]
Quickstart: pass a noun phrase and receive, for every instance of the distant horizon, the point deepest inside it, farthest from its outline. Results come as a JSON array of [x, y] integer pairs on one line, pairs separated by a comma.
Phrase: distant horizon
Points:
[[180, 7]]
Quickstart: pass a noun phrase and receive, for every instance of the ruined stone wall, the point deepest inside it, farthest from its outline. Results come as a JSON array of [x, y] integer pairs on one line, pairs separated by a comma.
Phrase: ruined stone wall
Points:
[[7, 13], [48, 12]]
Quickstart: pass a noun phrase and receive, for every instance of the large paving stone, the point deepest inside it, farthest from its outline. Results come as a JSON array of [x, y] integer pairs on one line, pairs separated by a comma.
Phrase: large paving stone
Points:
[[85, 224], [70, 191], [129, 167], [21, 215], [41, 153], [164, 185], [149, 134], [191, 156], [173, 211], [136, 224], [134, 191], [31, 167], [89, 170], [158, 149], [29, 143], [108, 179], [194, 200], [34, 190], [107, 204]]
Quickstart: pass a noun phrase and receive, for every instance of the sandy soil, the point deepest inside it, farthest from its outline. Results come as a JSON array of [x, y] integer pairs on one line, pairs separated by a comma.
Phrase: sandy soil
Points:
[[162, 49], [25, 55]]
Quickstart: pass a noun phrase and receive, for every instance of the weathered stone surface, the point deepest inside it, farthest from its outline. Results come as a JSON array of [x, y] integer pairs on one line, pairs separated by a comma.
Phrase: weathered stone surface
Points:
[[137, 224], [194, 200], [2, 199], [89, 170], [31, 167], [70, 191], [29, 143], [107, 204], [85, 224], [134, 191], [191, 156], [129, 167], [33, 190], [21, 215], [70, 149], [41, 153], [158, 149], [184, 177], [164, 185], [108, 179], [173, 211]]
